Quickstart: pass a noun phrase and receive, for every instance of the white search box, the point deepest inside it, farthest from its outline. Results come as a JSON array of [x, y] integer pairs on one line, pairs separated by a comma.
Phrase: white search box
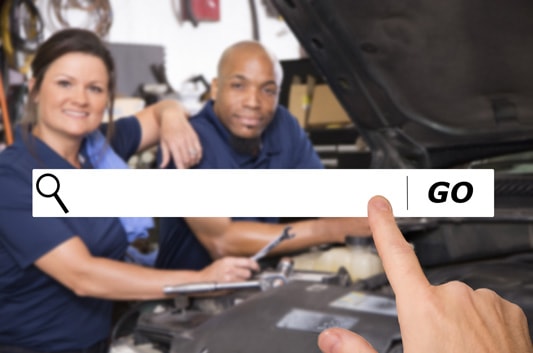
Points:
[[260, 192]]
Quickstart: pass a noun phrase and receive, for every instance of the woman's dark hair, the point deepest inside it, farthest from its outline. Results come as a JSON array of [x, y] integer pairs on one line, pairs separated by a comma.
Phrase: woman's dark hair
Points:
[[71, 40]]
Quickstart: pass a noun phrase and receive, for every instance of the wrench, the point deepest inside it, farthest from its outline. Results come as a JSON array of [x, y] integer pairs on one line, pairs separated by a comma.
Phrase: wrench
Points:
[[265, 250]]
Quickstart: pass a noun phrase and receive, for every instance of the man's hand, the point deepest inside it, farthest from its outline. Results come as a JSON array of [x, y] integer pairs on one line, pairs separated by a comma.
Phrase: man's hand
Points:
[[448, 318], [230, 269]]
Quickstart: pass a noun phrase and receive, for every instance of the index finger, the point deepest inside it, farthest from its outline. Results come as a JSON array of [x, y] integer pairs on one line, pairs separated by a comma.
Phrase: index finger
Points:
[[399, 260], [164, 156], [171, 152]]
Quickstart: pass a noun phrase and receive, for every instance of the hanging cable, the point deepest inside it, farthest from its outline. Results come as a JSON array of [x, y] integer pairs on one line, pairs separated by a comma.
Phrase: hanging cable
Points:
[[22, 31], [7, 46], [5, 113], [26, 25], [255, 23], [99, 12]]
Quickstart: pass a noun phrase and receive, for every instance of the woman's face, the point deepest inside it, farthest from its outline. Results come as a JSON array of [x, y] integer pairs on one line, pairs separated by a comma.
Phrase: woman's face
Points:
[[73, 96]]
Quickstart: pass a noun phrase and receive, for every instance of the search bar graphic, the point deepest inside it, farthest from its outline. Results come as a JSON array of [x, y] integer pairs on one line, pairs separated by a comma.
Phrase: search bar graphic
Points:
[[260, 192]]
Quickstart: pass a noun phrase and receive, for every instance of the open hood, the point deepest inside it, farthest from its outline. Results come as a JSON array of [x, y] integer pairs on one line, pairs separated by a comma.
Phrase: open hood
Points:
[[428, 83]]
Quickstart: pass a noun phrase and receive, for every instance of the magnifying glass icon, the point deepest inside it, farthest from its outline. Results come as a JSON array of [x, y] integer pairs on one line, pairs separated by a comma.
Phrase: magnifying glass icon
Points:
[[53, 193]]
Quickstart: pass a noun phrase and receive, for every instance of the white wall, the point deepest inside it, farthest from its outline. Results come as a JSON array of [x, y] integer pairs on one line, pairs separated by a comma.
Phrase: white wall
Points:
[[190, 50]]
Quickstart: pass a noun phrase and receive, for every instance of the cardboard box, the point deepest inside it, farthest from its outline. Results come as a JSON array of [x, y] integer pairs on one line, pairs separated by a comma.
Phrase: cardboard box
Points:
[[299, 102], [325, 109], [315, 105], [125, 106]]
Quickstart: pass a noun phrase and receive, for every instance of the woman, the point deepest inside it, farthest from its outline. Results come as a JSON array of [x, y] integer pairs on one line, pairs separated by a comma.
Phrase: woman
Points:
[[58, 276]]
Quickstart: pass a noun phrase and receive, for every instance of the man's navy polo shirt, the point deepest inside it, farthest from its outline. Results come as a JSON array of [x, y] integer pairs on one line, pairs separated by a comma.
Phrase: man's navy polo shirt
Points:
[[36, 311], [284, 145]]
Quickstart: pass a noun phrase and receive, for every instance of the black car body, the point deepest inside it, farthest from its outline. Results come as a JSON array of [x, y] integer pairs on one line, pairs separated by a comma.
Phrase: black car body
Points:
[[440, 84]]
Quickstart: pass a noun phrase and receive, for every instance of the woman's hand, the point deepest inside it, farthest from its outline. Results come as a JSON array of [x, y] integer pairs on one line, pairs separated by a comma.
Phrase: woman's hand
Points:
[[230, 269], [179, 141], [166, 123]]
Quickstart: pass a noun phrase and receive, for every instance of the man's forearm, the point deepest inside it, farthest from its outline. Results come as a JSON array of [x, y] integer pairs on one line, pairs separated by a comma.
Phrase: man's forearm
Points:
[[246, 238]]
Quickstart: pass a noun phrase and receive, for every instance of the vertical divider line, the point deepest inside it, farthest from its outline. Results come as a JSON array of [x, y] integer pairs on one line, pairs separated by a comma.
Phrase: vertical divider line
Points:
[[407, 191]]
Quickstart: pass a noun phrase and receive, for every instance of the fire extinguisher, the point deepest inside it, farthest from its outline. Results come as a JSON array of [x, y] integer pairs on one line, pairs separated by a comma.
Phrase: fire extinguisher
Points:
[[201, 11]]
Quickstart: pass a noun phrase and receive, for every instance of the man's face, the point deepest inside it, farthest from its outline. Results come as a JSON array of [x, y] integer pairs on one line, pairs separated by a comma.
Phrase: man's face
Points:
[[246, 93]]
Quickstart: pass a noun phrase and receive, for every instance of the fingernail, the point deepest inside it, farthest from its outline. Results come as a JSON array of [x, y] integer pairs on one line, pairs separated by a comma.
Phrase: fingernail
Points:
[[329, 341], [381, 203]]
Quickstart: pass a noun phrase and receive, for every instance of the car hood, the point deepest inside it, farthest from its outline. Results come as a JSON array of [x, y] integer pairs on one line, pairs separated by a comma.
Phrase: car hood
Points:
[[428, 83]]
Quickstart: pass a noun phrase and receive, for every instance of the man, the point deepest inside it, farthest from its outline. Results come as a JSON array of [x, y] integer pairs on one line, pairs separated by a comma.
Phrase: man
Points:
[[244, 127]]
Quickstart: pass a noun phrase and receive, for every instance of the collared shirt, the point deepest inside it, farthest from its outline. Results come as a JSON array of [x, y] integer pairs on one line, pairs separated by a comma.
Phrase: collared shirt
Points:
[[36, 311], [284, 145]]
